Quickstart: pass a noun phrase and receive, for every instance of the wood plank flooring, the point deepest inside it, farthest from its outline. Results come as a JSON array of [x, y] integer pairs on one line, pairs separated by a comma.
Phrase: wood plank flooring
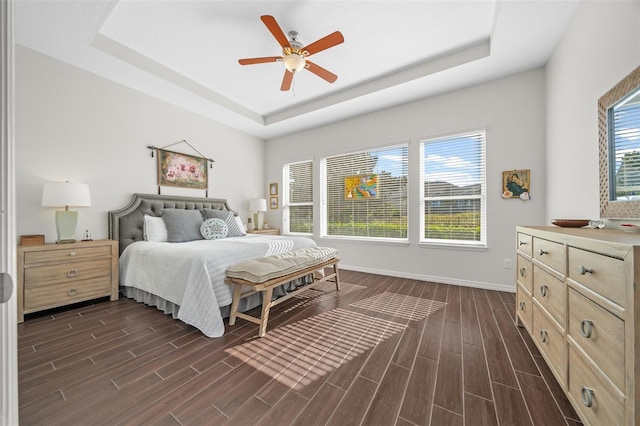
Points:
[[382, 351]]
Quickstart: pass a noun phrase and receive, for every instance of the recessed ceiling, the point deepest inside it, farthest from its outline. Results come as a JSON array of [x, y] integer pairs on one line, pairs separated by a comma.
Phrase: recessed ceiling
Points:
[[186, 52]]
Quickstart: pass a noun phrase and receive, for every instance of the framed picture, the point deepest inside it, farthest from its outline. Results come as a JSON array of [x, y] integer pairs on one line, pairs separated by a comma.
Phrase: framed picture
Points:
[[516, 184], [273, 189], [360, 187], [182, 170], [273, 203]]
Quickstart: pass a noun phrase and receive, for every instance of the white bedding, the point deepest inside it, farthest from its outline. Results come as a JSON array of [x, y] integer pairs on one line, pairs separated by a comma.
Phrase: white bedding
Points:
[[192, 274]]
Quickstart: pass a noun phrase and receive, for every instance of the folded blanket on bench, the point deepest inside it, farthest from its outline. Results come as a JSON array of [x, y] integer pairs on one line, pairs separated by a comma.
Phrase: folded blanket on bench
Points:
[[263, 269]]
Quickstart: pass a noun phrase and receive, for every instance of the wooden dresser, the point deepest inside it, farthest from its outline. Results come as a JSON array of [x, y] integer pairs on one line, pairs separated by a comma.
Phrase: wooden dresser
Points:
[[53, 275], [576, 295]]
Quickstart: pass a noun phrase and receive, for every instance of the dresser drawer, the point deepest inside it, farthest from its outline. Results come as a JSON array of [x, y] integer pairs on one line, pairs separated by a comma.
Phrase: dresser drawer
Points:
[[64, 293], [551, 342], [597, 402], [524, 273], [38, 276], [524, 243], [599, 333], [65, 255], [524, 309], [550, 253], [602, 274], [550, 293]]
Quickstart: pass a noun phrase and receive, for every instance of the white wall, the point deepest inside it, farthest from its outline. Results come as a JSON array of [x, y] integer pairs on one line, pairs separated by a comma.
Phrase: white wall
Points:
[[73, 125], [511, 110], [601, 46]]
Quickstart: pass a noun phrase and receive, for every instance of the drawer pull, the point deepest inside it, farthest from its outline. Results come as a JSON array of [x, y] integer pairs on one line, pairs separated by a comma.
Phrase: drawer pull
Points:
[[542, 252], [544, 290], [544, 336], [522, 272], [72, 273], [523, 243], [583, 270], [522, 306], [586, 327], [586, 394], [73, 253], [72, 292]]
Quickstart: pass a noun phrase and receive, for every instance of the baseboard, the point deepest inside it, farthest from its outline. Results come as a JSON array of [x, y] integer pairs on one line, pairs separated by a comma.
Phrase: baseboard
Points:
[[443, 280]]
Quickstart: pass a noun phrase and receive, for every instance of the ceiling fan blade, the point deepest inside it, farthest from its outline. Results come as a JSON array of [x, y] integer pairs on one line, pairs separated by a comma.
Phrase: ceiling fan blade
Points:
[[250, 61], [324, 43], [286, 81], [275, 29], [321, 72]]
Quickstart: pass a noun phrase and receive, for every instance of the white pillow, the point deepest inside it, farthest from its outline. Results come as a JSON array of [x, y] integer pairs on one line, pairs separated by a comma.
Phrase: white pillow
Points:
[[213, 229], [154, 229], [236, 227], [241, 225]]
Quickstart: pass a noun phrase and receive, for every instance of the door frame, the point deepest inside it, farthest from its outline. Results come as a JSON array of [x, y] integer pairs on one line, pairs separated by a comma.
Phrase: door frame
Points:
[[8, 311]]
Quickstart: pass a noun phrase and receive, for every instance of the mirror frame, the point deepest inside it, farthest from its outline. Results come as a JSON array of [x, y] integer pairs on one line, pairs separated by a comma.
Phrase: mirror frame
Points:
[[609, 208]]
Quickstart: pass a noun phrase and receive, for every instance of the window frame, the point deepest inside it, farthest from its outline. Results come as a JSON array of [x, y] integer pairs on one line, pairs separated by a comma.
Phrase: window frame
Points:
[[324, 196], [286, 199], [444, 243]]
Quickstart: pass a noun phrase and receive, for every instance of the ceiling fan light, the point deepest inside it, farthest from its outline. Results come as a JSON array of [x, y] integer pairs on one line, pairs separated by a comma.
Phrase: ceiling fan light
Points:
[[294, 62]]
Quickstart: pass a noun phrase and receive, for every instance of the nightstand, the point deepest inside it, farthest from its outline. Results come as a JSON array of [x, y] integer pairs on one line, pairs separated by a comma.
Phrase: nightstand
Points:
[[272, 231], [53, 275]]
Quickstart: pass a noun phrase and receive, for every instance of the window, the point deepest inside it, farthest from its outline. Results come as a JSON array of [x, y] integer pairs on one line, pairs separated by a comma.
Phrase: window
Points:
[[625, 119], [298, 197], [453, 189], [366, 194]]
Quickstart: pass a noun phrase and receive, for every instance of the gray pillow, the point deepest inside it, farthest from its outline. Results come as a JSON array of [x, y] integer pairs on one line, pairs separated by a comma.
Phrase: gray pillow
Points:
[[182, 225], [228, 217], [215, 214]]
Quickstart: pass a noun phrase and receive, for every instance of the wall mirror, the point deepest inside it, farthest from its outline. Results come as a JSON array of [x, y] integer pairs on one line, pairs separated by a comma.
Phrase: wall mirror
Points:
[[619, 140]]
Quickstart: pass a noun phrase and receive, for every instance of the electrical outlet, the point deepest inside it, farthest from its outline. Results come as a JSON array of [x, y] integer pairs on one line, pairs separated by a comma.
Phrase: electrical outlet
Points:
[[507, 263]]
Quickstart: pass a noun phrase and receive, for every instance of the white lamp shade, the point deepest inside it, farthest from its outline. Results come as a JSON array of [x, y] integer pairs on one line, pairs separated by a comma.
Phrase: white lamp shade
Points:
[[258, 205], [63, 194]]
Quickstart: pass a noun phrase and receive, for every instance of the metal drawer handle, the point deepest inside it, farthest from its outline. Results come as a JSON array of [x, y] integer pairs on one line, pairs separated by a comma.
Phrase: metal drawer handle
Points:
[[522, 306], [72, 273], [72, 292], [544, 290], [544, 336], [586, 327], [523, 243], [542, 252], [522, 272], [586, 394], [583, 270], [73, 253]]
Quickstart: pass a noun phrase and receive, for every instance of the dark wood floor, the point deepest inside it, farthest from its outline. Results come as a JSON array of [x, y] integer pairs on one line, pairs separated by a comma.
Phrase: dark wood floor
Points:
[[384, 351]]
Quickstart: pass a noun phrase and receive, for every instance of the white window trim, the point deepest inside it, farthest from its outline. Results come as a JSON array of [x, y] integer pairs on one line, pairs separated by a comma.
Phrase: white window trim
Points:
[[454, 244], [286, 205]]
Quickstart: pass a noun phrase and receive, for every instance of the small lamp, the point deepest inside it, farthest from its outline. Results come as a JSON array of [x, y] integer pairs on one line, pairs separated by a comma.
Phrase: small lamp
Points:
[[65, 194], [258, 205]]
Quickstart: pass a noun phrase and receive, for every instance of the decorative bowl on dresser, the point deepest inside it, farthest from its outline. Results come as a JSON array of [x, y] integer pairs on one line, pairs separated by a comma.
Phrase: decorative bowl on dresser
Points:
[[576, 295], [53, 275]]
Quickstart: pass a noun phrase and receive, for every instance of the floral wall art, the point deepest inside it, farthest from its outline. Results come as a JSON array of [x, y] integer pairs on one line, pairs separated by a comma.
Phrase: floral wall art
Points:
[[182, 170]]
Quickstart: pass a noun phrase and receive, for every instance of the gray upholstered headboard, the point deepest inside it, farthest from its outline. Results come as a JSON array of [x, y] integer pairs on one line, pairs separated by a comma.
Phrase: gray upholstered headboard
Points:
[[126, 224]]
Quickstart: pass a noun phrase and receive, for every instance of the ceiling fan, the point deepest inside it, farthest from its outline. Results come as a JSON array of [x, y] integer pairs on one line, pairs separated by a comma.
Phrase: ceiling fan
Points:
[[294, 54]]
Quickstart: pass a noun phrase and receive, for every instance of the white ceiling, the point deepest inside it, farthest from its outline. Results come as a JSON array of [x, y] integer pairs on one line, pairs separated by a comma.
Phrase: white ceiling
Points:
[[186, 52]]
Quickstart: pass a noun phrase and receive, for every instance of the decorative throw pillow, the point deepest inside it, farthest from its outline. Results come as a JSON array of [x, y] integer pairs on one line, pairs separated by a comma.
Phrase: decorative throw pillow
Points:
[[182, 225], [154, 229], [212, 229], [229, 217], [243, 229]]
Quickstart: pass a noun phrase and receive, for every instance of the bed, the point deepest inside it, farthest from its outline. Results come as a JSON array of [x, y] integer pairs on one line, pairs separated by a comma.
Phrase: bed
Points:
[[182, 276]]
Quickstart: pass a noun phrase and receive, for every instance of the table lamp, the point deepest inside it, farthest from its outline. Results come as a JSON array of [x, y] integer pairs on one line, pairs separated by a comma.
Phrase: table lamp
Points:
[[65, 194], [258, 205]]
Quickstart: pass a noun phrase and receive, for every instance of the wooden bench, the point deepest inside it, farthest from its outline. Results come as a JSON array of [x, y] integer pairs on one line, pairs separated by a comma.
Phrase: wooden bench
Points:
[[267, 287]]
